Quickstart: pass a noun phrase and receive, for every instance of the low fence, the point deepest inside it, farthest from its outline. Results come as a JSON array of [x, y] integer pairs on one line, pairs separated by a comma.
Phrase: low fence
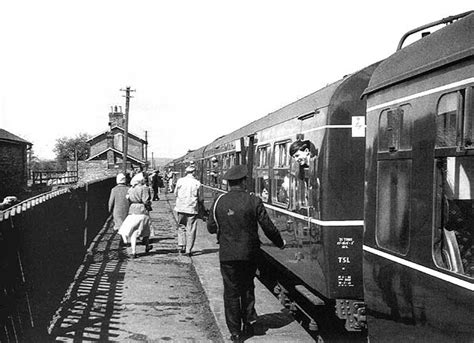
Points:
[[54, 177], [42, 243]]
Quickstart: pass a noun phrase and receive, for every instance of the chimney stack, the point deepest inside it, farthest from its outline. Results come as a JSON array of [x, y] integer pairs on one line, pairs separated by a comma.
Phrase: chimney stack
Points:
[[116, 117]]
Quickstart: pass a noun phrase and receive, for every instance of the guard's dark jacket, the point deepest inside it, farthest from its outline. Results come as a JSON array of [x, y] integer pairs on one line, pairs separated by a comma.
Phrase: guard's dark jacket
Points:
[[238, 214]]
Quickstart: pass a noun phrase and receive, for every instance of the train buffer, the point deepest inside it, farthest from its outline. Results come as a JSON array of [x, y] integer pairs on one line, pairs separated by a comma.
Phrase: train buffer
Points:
[[161, 296]]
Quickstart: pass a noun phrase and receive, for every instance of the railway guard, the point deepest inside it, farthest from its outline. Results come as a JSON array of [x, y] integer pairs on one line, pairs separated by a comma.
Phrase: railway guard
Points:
[[234, 218]]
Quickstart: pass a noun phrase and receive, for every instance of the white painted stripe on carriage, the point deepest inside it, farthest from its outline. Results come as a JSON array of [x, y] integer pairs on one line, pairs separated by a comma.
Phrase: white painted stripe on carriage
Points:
[[423, 269], [214, 189], [306, 131], [292, 135], [300, 216], [317, 221], [424, 93]]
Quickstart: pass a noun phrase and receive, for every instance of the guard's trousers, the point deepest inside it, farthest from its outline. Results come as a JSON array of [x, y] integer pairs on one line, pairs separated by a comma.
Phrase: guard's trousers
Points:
[[239, 293]]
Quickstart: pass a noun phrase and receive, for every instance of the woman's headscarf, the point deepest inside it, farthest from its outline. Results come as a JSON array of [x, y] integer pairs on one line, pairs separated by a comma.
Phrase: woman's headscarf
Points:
[[137, 179], [121, 179]]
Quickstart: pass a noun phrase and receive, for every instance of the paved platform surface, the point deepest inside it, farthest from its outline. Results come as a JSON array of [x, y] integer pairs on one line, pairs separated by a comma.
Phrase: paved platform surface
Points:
[[274, 323], [159, 297], [154, 298]]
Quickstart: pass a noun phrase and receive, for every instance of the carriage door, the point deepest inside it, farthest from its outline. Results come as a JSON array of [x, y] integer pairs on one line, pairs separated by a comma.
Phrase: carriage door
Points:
[[250, 161], [394, 178], [454, 183]]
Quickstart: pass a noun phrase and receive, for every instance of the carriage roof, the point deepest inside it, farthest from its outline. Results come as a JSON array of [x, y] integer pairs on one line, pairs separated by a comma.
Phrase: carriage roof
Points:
[[445, 46]]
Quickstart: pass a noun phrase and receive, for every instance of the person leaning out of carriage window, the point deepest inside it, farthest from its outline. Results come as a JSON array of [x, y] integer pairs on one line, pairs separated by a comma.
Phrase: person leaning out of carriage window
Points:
[[118, 203], [235, 218], [305, 155], [169, 178], [214, 171], [138, 221]]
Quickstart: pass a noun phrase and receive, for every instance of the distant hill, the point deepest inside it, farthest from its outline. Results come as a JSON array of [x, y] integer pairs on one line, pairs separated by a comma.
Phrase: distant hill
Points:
[[159, 162]]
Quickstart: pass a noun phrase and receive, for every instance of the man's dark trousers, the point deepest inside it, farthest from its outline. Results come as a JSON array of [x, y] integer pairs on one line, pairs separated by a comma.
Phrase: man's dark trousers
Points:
[[239, 295]]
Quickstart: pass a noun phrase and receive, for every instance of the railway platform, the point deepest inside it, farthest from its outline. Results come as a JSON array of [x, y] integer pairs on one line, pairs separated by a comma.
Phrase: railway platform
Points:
[[161, 296], [274, 323]]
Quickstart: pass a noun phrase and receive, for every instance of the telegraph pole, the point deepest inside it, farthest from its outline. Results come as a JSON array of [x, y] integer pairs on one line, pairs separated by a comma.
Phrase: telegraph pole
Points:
[[146, 150], [125, 138]]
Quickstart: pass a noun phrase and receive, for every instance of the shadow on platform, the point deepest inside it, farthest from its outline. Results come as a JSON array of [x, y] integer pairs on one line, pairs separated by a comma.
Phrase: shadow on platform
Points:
[[91, 307]]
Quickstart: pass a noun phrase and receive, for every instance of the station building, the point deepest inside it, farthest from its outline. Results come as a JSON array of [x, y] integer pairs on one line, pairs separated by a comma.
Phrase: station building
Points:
[[14, 152], [106, 150]]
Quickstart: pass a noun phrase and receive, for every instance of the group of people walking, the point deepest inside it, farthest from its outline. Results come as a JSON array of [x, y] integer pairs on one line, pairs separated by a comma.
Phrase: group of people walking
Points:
[[234, 217], [130, 207]]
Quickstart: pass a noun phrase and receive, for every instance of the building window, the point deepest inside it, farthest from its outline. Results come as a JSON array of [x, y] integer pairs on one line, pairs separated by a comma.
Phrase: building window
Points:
[[118, 142], [393, 205]]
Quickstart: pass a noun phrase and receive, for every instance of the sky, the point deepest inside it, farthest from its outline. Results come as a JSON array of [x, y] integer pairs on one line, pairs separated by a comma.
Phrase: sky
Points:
[[199, 68]]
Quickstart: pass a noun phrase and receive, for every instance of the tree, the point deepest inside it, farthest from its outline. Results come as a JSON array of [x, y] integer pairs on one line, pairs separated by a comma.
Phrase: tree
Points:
[[65, 148]]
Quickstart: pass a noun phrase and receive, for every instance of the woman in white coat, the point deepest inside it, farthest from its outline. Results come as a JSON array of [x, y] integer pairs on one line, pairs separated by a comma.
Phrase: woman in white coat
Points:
[[138, 221]]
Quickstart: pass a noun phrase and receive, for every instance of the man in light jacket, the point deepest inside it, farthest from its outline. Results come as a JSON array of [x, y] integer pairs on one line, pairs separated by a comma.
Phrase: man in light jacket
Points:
[[187, 195]]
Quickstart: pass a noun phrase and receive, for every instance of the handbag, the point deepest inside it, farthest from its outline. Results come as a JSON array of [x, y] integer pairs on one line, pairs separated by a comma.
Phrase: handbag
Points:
[[203, 212]]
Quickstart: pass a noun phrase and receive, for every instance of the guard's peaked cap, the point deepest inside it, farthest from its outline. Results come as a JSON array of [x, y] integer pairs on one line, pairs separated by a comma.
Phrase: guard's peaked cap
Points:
[[236, 172]]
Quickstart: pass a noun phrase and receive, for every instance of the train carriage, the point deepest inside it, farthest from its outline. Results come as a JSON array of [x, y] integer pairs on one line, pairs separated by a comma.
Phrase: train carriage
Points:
[[318, 207], [381, 213], [322, 217], [419, 212]]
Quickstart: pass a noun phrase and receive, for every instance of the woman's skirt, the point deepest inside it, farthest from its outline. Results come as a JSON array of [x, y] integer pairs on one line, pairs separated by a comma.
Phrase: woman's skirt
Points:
[[135, 222]]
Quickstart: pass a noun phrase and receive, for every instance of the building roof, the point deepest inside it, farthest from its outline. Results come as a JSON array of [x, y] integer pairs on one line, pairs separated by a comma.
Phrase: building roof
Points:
[[121, 129], [8, 136], [129, 157]]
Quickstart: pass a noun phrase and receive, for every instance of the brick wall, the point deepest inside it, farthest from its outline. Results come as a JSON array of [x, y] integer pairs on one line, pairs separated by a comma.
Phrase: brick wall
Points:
[[98, 147], [93, 170], [13, 168], [135, 149]]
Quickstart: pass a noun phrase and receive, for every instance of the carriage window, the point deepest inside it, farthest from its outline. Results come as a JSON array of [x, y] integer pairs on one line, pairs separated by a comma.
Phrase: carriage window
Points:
[[262, 187], [454, 215], [395, 129], [281, 155], [448, 113], [393, 205], [225, 161], [281, 187], [468, 118], [263, 156]]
